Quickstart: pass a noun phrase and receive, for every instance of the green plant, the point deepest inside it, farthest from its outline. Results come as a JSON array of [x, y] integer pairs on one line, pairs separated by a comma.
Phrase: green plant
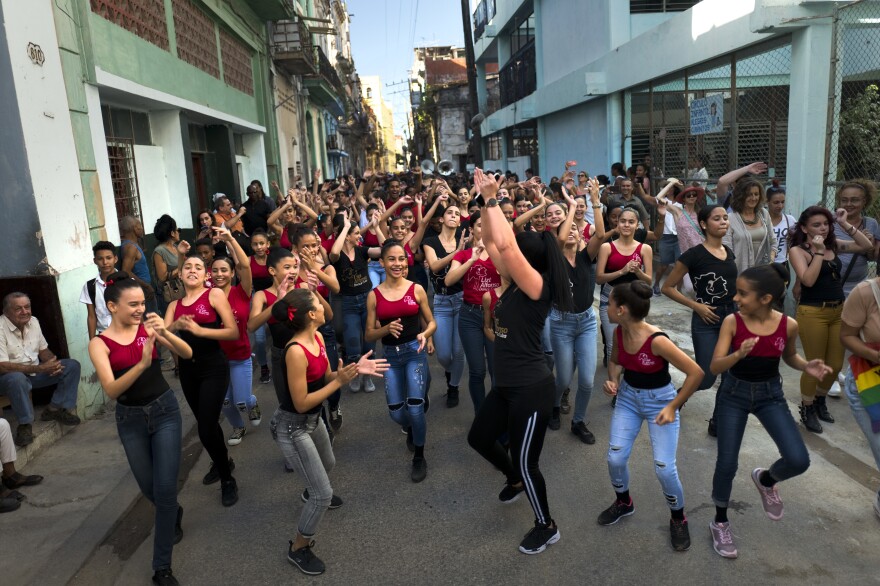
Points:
[[858, 147]]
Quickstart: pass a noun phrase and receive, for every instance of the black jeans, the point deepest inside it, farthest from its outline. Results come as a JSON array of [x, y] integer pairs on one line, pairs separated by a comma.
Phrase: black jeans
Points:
[[204, 381], [522, 412]]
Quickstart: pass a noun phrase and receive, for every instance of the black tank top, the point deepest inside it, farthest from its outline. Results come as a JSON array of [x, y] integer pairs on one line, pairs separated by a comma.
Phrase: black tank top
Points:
[[519, 323], [828, 285]]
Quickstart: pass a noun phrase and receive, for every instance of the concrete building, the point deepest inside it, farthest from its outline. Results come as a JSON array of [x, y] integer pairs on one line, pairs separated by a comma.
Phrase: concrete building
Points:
[[600, 81], [371, 87], [110, 111]]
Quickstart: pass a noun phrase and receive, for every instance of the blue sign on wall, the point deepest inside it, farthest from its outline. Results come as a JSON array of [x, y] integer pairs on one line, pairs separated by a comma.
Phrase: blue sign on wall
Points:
[[707, 114]]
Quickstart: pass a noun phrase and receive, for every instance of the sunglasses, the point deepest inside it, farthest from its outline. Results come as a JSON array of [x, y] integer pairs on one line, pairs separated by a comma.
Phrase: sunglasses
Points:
[[690, 195]]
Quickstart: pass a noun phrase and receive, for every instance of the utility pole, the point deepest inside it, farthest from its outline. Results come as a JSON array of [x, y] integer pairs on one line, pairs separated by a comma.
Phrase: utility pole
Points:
[[476, 137]]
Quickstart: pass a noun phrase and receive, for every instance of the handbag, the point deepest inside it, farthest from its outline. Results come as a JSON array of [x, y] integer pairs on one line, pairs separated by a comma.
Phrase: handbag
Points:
[[867, 376], [172, 290]]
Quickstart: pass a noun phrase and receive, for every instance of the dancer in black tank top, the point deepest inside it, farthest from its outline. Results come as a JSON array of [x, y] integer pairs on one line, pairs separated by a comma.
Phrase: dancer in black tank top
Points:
[[522, 401], [147, 413]]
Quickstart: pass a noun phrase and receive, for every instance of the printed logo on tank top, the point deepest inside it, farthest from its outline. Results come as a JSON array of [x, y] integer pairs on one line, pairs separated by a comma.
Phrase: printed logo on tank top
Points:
[[481, 279], [352, 278], [140, 341], [409, 300], [646, 360], [714, 285], [779, 343], [637, 257], [202, 310], [500, 332]]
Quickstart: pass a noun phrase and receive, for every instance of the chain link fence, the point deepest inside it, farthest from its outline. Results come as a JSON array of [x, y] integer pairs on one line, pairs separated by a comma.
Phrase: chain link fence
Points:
[[714, 117], [852, 149]]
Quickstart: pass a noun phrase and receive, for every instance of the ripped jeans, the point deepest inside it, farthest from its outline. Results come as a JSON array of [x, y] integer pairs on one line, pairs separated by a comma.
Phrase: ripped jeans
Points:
[[633, 407], [405, 387], [239, 395]]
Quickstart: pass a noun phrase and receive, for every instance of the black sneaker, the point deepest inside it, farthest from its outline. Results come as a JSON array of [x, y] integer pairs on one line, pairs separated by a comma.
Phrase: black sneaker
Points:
[[565, 405], [165, 578], [213, 474], [178, 528], [713, 428], [681, 537], [615, 512], [335, 501], [539, 538], [580, 430], [555, 422], [510, 493], [336, 419], [419, 470], [303, 558], [265, 375], [452, 397], [229, 492]]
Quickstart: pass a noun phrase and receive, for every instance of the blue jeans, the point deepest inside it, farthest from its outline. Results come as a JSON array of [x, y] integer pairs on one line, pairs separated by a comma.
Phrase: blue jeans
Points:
[[376, 271], [573, 336], [633, 407], [478, 350], [332, 357], [354, 323], [17, 386], [405, 386], [705, 337], [239, 397], [862, 418], [735, 400], [306, 448], [150, 436], [547, 344], [447, 342], [259, 344]]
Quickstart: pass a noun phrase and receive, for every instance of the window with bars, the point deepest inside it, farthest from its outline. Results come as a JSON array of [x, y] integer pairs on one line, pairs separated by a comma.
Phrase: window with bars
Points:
[[123, 176], [144, 18], [128, 124], [645, 6], [494, 146]]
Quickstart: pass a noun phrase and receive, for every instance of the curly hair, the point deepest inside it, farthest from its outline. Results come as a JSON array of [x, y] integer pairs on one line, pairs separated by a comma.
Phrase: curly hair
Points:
[[866, 186], [797, 236], [741, 192]]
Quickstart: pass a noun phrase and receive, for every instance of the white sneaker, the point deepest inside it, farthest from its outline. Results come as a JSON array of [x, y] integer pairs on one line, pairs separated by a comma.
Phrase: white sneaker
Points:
[[237, 435], [834, 391], [355, 385], [369, 386]]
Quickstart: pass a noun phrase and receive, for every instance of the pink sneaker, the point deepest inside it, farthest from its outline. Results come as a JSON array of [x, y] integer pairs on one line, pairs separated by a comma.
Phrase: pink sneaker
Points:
[[769, 496], [722, 540]]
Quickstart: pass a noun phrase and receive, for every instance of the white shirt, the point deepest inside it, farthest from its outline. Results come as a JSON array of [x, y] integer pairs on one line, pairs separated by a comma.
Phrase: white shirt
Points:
[[21, 347], [669, 226], [781, 231], [101, 311]]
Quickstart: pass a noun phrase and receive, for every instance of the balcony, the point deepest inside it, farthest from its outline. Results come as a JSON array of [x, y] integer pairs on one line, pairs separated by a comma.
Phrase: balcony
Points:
[[291, 45], [517, 79], [484, 13], [325, 87]]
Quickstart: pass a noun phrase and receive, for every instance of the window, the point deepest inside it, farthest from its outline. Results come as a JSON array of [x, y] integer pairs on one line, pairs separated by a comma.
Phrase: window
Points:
[[238, 141], [128, 124], [494, 146], [523, 33], [644, 6], [523, 140], [198, 141]]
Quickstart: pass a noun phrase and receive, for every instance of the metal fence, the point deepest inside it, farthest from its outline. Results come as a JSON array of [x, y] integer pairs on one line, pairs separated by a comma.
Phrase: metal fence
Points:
[[719, 115], [853, 147]]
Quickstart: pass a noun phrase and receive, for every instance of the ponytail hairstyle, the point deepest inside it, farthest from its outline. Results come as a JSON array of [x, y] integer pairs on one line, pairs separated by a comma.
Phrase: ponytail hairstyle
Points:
[[774, 189], [292, 310], [117, 283], [767, 280], [635, 296], [276, 255], [296, 232], [339, 224], [542, 252], [388, 245], [259, 232], [797, 236]]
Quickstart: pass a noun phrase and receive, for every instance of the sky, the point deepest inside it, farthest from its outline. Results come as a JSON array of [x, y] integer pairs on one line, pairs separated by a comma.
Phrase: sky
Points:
[[384, 32]]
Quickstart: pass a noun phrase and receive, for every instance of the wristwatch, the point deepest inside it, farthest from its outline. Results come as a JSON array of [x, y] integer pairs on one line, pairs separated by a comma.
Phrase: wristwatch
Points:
[[492, 203]]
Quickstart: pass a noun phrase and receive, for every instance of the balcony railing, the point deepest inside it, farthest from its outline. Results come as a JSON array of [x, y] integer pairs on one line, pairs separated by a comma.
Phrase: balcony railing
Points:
[[484, 13], [517, 79], [292, 47], [328, 72]]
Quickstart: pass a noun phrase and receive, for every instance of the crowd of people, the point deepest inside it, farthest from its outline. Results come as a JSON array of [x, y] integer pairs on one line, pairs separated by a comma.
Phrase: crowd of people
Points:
[[488, 271]]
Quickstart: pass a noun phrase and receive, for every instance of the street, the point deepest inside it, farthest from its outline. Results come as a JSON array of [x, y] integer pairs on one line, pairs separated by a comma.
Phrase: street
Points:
[[451, 529]]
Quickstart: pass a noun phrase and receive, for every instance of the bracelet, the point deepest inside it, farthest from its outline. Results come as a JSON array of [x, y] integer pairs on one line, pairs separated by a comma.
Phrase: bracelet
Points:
[[852, 230], [597, 206]]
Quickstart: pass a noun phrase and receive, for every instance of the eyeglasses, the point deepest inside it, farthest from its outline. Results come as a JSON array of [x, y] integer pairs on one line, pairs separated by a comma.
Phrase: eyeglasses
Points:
[[854, 201]]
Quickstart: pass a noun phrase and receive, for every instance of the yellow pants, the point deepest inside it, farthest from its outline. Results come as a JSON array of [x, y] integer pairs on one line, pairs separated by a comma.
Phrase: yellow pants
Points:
[[819, 330]]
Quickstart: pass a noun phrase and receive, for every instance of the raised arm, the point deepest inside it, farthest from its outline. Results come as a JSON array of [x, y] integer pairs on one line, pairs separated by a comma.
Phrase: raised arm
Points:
[[242, 262], [728, 179], [340, 239]]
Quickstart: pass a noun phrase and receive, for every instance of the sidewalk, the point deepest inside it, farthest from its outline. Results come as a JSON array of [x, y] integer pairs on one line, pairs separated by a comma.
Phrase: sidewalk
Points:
[[69, 531]]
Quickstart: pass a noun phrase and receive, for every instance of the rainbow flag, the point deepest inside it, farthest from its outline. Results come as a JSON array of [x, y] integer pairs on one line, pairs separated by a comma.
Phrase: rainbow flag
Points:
[[867, 378]]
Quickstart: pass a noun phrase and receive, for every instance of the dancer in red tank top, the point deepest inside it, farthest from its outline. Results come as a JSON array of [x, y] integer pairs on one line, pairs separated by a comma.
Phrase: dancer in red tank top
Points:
[[127, 366]]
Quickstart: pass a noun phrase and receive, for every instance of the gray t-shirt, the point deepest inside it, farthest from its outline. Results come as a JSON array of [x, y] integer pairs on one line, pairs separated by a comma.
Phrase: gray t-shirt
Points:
[[860, 265], [635, 202]]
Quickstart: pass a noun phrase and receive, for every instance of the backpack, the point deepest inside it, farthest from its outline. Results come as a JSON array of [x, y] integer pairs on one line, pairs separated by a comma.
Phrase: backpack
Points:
[[90, 287]]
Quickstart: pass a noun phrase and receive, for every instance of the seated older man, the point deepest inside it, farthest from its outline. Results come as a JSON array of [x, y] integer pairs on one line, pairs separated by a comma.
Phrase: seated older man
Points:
[[27, 363], [10, 499]]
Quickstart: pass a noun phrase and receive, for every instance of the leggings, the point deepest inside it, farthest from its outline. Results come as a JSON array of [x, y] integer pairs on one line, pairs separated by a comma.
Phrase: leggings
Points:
[[523, 413], [204, 386], [607, 327], [820, 337], [239, 397]]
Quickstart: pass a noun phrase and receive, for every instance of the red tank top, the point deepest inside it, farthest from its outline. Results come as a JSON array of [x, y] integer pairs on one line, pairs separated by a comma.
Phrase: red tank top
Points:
[[644, 369], [327, 241], [316, 365], [284, 241], [481, 277], [762, 363], [240, 348], [124, 356], [616, 261], [587, 232], [493, 300], [270, 300], [410, 260], [259, 271], [202, 310], [370, 239], [406, 309]]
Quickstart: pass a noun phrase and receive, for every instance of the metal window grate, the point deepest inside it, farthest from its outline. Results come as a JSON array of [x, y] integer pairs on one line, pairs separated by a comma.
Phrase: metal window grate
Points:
[[196, 37], [145, 18], [237, 66], [123, 175], [646, 6]]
